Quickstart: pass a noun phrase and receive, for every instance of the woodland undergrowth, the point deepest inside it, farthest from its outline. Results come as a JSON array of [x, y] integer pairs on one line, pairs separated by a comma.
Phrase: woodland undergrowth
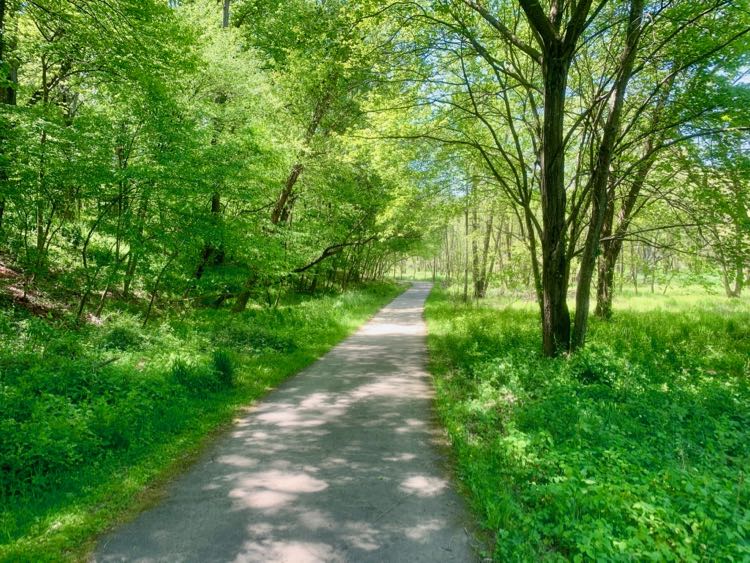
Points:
[[635, 448], [90, 416]]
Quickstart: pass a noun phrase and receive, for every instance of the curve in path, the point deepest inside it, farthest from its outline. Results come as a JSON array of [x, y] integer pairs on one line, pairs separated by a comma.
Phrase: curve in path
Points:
[[339, 463]]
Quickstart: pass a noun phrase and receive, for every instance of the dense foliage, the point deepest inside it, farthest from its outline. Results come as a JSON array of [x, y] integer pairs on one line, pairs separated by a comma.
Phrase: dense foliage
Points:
[[192, 193], [635, 448], [153, 150]]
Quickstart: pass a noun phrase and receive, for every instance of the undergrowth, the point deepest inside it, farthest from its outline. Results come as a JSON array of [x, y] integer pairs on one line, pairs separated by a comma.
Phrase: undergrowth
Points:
[[91, 416], [636, 448]]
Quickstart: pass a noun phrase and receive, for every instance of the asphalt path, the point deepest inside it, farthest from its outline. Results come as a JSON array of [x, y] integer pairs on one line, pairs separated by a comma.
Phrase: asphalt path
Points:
[[342, 462]]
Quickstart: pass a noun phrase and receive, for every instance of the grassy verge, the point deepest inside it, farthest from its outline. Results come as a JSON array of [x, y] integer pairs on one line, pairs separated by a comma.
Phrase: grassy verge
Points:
[[636, 448], [92, 421]]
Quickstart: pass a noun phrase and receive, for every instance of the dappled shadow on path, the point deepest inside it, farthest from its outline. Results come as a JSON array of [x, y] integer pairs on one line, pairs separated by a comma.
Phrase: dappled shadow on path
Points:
[[338, 464]]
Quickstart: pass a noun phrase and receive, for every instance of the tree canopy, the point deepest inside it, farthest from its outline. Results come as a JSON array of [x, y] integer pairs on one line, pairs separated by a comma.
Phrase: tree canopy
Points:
[[219, 151]]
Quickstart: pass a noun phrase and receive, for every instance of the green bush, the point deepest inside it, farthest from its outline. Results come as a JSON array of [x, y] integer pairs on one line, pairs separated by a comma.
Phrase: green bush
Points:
[[596, 364], [196, 378], [122, 334], [223, 365], [255, 338]]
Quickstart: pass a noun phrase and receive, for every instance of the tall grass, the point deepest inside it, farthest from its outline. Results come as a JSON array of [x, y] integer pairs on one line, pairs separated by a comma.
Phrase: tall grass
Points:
[[90, 417], [636, 448]]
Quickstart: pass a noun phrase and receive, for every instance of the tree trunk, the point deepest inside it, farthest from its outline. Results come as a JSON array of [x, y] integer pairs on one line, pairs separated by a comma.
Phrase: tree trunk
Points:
[[211, 254], [466, 248], [225, 14], [733, 275], [7, 96], [156, 287], [135, 246], [600, 176], [480, 262], [605, 284], [243, 297], [9, 69], [485, 276], [555, 267], [739, 277], [475, 274], [558, 47], [280, 209]]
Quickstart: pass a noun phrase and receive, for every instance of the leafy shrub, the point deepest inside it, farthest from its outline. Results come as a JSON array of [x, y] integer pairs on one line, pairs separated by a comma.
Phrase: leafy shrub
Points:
[[223, 365], [108, 425], [66, 346], [198, 378], [256, 339], [595, 365], [122, 334]]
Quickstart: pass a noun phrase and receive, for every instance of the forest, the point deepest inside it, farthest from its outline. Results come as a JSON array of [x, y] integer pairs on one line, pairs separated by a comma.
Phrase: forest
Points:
[[199, 198]]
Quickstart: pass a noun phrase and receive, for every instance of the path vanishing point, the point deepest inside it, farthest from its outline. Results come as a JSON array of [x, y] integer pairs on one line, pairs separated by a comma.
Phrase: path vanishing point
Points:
[[340, 463]]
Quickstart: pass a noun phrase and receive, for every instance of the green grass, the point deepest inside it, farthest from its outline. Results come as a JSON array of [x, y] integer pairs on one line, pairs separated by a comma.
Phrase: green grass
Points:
[[94, 421], [637, 448]]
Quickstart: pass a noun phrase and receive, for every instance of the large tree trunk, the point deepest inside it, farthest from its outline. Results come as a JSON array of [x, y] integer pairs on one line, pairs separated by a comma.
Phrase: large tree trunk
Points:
[[225, 14], [555, 267], [558, 47]]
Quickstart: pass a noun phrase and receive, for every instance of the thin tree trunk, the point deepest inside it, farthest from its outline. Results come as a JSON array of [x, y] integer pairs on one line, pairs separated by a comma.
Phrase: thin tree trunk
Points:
[[286, 192], [739, 277], [133, 255], [605, 283], [486, 254], [601, 175], [633, 268], [155, 289], [475, 274], [466, 248]]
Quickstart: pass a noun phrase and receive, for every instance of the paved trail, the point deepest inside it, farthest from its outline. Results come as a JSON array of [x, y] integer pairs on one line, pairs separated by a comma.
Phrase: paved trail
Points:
[[339, 463]]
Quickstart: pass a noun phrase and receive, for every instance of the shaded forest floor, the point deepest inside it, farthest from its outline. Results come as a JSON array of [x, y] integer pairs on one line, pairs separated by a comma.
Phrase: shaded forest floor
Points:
[[636, 448], [92, 419]]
